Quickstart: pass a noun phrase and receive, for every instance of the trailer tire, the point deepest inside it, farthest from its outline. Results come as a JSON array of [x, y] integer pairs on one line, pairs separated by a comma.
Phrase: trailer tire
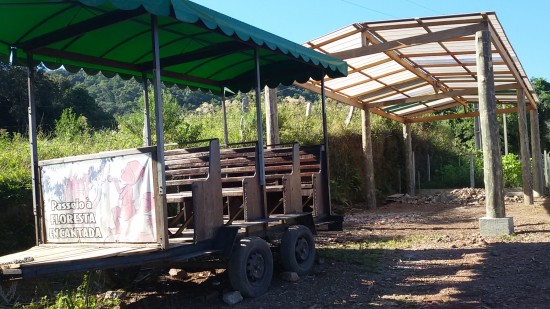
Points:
[[250, 267], [120, 277], [297, 250]]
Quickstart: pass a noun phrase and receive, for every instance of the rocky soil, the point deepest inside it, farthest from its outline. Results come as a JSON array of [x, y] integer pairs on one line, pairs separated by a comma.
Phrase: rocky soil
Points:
[[424, 252]]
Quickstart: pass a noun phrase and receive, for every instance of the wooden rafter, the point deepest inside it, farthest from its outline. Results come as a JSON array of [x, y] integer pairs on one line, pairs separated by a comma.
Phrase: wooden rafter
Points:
[[438, 96], [410, 41], [461, 115], [447, 64]]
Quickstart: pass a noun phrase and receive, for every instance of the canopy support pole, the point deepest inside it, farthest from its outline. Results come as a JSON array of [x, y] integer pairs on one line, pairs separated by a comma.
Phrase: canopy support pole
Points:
[[325, 160], [34, 149], [146, 117], [524, 150], [259, 122], [260, 132], [367, 154], [409, 160], [161, 177], [538, 177], [224, 111]]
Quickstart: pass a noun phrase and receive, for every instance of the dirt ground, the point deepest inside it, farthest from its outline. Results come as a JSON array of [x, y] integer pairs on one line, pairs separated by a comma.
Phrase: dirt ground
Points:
[[422, 255]]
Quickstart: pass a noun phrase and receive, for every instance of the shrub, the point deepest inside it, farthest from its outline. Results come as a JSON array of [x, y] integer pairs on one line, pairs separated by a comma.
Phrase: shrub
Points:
[[511, 168], [70, 126]]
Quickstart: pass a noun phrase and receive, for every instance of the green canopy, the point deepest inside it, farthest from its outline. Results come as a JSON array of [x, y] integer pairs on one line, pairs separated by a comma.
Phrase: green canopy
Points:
[[199, 48]]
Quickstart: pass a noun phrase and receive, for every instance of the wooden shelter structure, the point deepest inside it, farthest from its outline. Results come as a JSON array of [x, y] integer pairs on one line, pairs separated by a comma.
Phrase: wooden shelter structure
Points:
[[429, 69]]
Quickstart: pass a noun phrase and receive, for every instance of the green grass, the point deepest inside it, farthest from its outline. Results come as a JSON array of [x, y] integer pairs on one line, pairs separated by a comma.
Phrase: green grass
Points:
[[367, 260], [368, 255]]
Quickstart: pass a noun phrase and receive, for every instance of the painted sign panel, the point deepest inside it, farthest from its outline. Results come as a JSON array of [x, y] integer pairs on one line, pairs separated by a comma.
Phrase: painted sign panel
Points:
[[100, 200]]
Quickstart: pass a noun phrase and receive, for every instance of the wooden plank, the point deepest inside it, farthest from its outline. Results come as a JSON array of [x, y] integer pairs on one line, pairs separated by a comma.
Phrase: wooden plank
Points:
[[53, 254], [195, 171], [207, 199], [100, 155], [410, 41]]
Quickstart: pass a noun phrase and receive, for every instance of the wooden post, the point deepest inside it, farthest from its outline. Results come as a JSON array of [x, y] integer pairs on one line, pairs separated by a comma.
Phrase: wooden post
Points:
[[350, 115], [162, 219], [429, 171], [224, 115], [538, 178], [414, 170], [367, 153], [472, 178], [477, 132], [399, 180], [494, 182], [35, 172], [271, 115], [505, 126], [407, 139], [524, 150], [546, 180]]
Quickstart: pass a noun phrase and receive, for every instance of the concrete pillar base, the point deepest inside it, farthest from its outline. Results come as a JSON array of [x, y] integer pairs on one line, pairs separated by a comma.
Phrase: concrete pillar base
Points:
[[496, 226]]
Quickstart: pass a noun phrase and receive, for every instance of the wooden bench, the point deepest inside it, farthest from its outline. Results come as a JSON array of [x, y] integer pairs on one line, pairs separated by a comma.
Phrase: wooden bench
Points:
[[241, 183], [282, 173], [193, 188], [313, 183]]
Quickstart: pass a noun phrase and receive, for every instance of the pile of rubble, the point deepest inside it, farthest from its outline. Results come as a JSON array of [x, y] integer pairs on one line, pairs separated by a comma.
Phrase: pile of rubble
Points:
[[465, 196]]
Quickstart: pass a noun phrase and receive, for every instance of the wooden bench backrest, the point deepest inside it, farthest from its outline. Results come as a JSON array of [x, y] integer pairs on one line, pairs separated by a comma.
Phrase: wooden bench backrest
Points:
[[198, 169], [238, 163]]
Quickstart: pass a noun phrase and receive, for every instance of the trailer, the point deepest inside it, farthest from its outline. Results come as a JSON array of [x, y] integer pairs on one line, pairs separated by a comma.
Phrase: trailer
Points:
[[170, 204]]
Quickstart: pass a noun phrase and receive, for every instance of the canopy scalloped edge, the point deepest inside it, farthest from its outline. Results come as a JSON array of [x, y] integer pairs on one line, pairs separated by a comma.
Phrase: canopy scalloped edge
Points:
[[190, 12]]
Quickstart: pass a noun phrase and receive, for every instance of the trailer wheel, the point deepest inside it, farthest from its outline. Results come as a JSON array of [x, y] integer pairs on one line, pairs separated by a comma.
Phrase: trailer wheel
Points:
[[251, 267], [298, 250], [120, 277]]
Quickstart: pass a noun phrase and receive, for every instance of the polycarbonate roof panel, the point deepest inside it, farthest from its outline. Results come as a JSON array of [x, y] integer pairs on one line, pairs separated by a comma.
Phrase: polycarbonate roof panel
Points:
[[415, 65], [368, 60]]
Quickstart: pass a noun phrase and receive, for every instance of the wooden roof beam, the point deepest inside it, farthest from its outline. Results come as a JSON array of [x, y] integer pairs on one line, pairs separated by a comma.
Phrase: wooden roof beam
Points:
[[511, 64], [349, 101], [461, 115], [438, 96], [410, 41], [329, 93], [397, 57], [430, 21]]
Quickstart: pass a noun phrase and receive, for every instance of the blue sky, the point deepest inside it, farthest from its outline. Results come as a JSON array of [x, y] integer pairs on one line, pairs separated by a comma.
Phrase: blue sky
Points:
[[524, 21]]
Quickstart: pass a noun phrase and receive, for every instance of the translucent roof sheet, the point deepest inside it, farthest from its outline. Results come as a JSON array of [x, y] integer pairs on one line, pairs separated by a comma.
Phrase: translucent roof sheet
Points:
[[391, 63]]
